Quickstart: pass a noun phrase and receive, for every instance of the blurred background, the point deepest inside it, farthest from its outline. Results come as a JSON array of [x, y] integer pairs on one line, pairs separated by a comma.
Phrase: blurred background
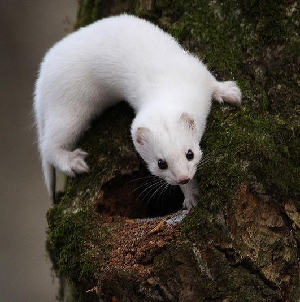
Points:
[[28, 28]]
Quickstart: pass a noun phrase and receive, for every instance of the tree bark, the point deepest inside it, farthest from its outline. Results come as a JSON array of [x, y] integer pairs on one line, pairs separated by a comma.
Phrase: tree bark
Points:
[[117, 242]]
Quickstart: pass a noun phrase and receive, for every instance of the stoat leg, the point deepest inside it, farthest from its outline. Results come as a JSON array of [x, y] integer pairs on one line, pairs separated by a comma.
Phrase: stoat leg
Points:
[[68, 162], [227, 92], [191, 194], [72, 163], [59, 138]]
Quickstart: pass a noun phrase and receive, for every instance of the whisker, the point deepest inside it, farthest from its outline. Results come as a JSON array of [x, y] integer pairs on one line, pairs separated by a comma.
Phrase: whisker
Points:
[[161, 185], [201, 163], [168, 191], [150, 181], [165, 189], [154, 184], [208, 160], [206, 157]]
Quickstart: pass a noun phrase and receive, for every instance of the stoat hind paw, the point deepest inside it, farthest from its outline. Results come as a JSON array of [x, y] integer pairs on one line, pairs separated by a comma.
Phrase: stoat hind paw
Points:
[[228, 92]]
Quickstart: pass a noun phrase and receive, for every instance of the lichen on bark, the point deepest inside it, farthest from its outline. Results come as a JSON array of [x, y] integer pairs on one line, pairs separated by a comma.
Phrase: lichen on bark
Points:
[[241, 242]]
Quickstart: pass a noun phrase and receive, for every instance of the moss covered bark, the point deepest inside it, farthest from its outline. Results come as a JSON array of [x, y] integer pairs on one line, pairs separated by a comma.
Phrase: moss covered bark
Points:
[[241, 241]]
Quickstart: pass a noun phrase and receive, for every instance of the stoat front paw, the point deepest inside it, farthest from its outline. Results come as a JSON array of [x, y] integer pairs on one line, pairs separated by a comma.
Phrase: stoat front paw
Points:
[[191, 194], [75, 163], [190, 201]]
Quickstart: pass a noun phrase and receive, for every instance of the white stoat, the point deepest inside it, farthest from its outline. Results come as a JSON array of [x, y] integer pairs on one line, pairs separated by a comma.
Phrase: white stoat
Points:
[[127, 58]]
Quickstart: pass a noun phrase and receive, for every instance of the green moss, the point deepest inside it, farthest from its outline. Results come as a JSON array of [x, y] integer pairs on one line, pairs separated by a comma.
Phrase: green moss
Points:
[[91, 11], [72, 233], [67, 242]]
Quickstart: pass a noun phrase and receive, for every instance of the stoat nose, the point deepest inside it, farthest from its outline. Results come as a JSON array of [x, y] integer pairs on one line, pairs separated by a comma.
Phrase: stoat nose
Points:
[[183, 181]]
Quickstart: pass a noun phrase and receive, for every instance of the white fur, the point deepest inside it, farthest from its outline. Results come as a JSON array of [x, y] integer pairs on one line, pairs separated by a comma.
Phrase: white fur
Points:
[[126, 58]]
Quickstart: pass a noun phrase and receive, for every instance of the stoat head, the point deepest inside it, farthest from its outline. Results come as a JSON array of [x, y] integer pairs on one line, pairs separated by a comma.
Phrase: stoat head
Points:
[[169, 145]]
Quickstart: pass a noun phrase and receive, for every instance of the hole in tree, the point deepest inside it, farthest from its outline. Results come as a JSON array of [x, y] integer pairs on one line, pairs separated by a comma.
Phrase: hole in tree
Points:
[[139, 195]]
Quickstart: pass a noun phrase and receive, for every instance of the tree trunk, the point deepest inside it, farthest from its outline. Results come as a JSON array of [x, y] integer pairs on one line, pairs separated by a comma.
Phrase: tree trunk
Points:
[[117, 241]]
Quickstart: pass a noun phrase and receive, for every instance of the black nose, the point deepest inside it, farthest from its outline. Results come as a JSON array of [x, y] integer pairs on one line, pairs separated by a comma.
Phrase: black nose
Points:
[[183, 181]]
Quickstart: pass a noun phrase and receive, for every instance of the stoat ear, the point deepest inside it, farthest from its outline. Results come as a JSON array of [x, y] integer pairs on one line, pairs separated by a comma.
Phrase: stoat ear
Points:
[[187, 119], [142, 135]]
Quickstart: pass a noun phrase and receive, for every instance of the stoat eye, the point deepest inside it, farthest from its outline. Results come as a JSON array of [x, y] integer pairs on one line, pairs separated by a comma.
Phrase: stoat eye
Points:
[[162, 164], [190, 155]]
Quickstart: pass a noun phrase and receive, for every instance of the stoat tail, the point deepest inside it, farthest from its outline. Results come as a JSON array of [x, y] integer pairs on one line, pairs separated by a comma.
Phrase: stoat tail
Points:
[[227, 92], [50, 178]]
